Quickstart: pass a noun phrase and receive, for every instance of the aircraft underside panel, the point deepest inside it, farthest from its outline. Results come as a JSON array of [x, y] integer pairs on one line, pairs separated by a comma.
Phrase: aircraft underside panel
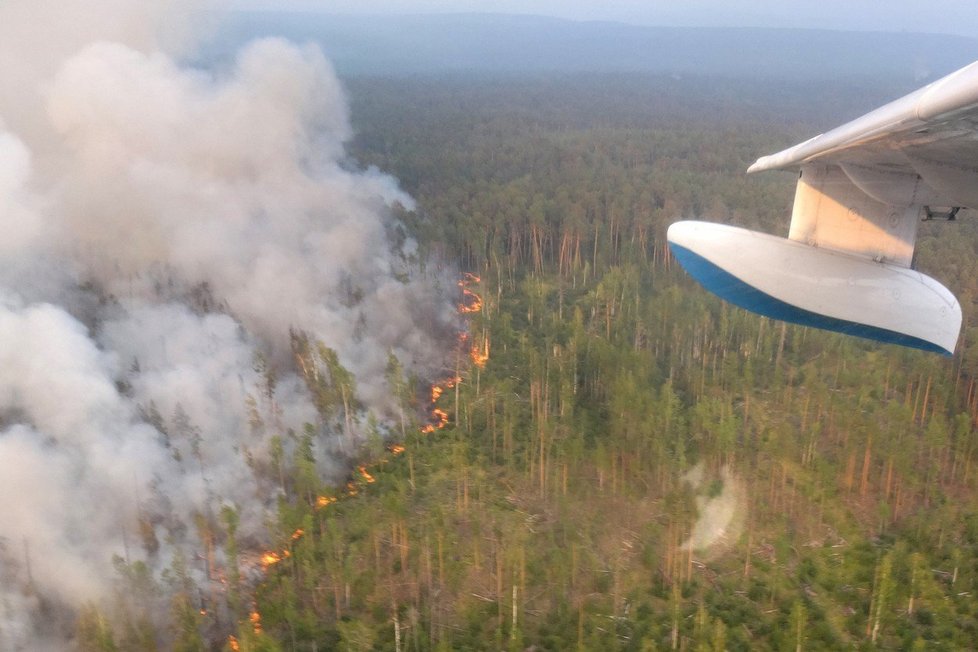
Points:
[[795, 282]]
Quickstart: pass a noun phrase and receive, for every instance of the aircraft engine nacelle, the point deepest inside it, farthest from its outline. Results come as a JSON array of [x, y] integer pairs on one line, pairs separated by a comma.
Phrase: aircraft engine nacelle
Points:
[[817, 286]]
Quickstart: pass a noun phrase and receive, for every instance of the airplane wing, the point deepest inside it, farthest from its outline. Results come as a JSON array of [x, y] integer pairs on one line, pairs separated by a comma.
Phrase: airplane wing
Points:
[[862, 189]]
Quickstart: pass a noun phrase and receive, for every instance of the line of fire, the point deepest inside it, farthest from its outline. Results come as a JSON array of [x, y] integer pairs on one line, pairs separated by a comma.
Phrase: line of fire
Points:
[[476, 350]]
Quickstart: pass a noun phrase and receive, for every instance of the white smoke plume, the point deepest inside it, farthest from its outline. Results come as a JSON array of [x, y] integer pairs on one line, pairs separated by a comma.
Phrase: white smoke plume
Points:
[[159, 227]]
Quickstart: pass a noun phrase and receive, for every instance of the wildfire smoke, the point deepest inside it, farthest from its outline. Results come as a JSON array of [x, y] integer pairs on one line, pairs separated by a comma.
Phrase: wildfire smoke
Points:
[[164, 231]]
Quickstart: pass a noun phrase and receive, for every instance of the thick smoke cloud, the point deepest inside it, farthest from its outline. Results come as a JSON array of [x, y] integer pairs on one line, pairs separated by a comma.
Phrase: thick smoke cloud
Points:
[[161, 227]]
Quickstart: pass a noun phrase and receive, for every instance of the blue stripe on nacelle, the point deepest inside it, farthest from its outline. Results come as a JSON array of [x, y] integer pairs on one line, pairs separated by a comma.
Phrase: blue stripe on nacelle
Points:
[[730, 288]]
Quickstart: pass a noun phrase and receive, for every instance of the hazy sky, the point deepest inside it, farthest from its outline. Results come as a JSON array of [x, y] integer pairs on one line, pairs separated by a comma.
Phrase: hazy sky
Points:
[[941, 16]]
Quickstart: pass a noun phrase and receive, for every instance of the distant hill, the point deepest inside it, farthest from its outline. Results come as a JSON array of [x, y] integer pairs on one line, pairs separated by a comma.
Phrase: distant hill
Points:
[[490, 43]]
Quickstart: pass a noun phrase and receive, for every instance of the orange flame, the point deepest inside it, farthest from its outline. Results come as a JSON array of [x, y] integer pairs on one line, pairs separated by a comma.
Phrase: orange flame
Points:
[[255, 619], [439, 417], [441, 420], [396, 449], [298, 533], [233, 644], [366, 476], [323, 501], [479, 355], [270, 558], [471, 302]]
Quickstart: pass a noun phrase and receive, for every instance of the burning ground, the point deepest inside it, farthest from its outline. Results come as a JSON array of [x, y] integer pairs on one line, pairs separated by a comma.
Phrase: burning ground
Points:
[[172, 237]]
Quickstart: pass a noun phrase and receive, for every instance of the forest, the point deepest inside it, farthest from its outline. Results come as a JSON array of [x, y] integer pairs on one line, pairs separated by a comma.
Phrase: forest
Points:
[[618, 460]]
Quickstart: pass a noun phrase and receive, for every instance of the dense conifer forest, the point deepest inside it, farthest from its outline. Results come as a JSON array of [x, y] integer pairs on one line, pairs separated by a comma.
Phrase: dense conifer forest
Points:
[[626, 462]]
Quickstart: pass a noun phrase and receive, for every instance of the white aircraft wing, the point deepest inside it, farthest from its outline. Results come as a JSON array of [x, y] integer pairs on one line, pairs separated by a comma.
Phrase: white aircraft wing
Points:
[[931, 133], [861, 192]]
